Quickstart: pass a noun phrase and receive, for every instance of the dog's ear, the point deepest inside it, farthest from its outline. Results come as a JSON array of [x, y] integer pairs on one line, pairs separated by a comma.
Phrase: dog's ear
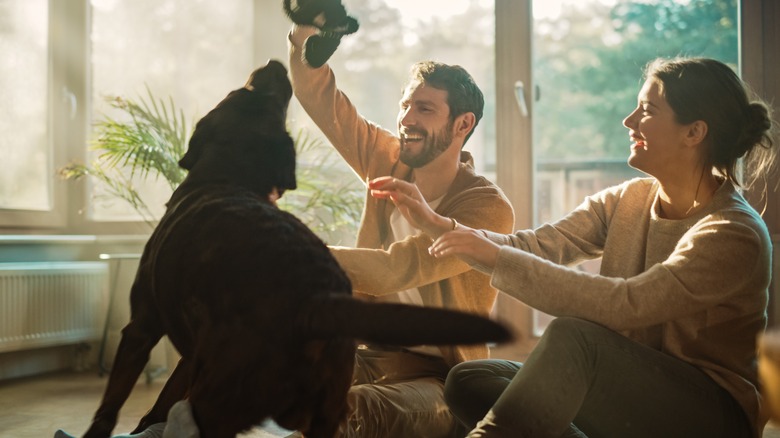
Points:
[[195, 148], [276, 161], [284, 149]]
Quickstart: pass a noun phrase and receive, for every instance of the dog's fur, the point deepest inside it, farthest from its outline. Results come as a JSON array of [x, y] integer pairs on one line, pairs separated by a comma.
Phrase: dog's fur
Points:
[[258, 308]]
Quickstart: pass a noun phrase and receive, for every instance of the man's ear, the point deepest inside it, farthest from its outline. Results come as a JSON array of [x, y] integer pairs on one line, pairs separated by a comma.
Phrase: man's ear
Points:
[[464, 123], [696, 132]]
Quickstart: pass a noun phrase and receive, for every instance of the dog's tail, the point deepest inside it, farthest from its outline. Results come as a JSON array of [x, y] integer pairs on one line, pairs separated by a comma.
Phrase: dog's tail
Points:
[[396, 324]]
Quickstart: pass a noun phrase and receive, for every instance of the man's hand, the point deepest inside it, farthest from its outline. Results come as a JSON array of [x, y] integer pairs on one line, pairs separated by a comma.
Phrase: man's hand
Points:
[[410, 202]]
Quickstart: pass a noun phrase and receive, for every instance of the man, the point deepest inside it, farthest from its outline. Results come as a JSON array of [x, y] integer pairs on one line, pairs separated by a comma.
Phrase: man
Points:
[[399, 392]]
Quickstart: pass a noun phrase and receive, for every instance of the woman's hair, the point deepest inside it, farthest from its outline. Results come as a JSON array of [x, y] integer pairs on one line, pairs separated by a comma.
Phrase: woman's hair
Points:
[[463, 94], [737, 126]]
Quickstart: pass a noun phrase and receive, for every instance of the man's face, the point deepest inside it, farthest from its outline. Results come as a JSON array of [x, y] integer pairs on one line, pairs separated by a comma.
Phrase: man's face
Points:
[[424, 124]]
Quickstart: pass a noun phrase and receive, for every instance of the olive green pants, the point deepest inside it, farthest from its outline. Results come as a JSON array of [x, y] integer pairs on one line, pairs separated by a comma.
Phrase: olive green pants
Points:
[[583, 380]]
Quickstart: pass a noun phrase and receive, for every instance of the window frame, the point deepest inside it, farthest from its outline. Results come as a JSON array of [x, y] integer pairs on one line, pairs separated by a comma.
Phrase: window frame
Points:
[[70, 113], [57, 215]]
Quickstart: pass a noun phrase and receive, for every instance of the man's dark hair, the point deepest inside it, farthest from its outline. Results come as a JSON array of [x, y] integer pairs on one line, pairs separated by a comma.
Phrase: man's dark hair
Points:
[[463, 94]]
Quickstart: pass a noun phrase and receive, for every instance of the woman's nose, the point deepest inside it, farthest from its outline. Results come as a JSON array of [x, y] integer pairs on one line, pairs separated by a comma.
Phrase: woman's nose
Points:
[[628, 122]]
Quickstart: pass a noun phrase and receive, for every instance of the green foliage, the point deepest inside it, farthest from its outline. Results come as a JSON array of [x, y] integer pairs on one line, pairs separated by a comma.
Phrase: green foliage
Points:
[[148, 140], [589, 69], [151, 135], [329, 197]]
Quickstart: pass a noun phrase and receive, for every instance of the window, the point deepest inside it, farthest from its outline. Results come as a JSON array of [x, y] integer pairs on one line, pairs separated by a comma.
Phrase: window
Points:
[[372, 66], [588, 57], [587, 64], [192, 53], [26, 146]]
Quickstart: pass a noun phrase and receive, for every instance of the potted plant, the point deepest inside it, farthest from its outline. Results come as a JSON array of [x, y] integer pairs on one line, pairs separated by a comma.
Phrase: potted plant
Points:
[[150, 136]]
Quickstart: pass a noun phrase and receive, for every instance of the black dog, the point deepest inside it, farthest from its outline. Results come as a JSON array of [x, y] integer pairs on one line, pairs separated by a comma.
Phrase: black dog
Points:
[[258, 308]]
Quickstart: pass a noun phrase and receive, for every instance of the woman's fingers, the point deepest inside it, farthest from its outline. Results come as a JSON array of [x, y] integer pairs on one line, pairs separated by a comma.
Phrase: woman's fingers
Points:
[[468, 244], [451, 243]]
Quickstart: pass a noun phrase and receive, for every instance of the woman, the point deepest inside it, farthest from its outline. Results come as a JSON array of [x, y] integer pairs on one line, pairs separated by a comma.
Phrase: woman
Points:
[[662, 343]]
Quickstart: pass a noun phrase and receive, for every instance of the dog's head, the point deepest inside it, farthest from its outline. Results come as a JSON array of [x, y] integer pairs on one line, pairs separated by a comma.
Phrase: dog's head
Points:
[[244, 140]]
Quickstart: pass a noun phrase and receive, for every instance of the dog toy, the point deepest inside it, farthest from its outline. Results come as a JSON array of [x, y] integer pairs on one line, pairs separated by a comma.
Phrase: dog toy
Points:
[[330, 17]]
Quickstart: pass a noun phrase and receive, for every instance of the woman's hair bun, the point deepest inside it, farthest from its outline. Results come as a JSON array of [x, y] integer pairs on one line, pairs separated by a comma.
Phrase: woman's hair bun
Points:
[[756, 128]]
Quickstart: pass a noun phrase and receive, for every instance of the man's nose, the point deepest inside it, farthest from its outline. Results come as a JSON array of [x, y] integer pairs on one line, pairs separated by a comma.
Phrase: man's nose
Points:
[[405, 117]]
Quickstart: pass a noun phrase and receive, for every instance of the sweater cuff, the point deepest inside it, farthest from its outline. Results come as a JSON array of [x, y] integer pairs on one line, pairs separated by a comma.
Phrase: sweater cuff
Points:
[[499, 239], [513, 267], [299, 33]]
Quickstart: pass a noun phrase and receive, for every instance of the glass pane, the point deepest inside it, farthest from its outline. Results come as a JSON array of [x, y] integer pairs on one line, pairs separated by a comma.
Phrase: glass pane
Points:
[[25, 182], [588, 61], [372, 65], [190, 52]]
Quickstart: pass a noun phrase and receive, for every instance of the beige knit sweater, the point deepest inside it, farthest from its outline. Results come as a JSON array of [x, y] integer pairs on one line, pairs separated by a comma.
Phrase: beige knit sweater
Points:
[[695, 288], [377, 267]]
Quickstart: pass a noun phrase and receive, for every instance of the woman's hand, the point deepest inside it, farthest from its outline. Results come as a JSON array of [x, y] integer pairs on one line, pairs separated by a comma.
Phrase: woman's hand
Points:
[[472, 246], [410, 202]]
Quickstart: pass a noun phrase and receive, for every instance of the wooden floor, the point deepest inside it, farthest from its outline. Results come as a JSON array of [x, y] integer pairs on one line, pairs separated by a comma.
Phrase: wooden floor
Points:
[[37, 407]]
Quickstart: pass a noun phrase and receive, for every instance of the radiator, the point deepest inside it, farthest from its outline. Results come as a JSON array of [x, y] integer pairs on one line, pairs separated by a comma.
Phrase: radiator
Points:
[[51, 303]]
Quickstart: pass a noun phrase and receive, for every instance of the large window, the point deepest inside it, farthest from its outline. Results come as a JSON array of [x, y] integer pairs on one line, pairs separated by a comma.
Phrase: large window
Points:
[[186, 52], [588, 57], [587, 63], [152, 45], [579, 62], [25, 137], [372, 65]]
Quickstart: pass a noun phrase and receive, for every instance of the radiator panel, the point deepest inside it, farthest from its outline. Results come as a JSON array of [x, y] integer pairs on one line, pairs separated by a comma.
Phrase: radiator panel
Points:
[[51, 303]]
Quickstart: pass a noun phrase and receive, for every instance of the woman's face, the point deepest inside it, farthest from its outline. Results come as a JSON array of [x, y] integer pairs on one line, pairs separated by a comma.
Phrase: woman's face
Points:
[[657, 138]]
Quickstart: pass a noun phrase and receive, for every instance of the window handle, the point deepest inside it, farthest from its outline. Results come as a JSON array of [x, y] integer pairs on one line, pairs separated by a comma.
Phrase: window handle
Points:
[[70, 100], [520, 97]]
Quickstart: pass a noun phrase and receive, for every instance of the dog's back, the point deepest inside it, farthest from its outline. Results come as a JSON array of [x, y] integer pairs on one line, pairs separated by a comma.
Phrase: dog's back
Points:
[[229, 274]]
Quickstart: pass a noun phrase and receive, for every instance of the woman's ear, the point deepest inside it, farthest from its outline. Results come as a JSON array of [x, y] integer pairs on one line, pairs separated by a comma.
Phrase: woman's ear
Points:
[[697, 132]]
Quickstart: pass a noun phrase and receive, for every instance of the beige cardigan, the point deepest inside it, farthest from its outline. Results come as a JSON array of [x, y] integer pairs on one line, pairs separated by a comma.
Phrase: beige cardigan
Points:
[[696, 289], [375, 267]]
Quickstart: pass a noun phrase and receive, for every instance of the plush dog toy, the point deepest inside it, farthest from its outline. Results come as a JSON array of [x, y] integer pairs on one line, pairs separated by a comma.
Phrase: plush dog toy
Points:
[[330, 17]]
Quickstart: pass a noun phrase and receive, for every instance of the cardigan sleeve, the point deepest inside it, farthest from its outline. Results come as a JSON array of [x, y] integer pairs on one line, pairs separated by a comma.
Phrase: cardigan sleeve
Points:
[[359, 141], [581, 235], [710, 264]]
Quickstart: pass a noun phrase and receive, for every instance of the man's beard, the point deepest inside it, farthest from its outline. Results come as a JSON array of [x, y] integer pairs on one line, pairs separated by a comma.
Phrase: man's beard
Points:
[[433, 146]]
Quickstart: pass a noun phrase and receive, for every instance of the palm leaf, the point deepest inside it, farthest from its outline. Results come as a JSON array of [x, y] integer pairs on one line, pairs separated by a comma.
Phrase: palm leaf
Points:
[[150, 135]]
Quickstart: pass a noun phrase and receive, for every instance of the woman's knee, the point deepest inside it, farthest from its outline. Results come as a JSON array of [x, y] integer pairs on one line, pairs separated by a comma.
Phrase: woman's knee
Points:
[[568, 323], [567, 327]]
